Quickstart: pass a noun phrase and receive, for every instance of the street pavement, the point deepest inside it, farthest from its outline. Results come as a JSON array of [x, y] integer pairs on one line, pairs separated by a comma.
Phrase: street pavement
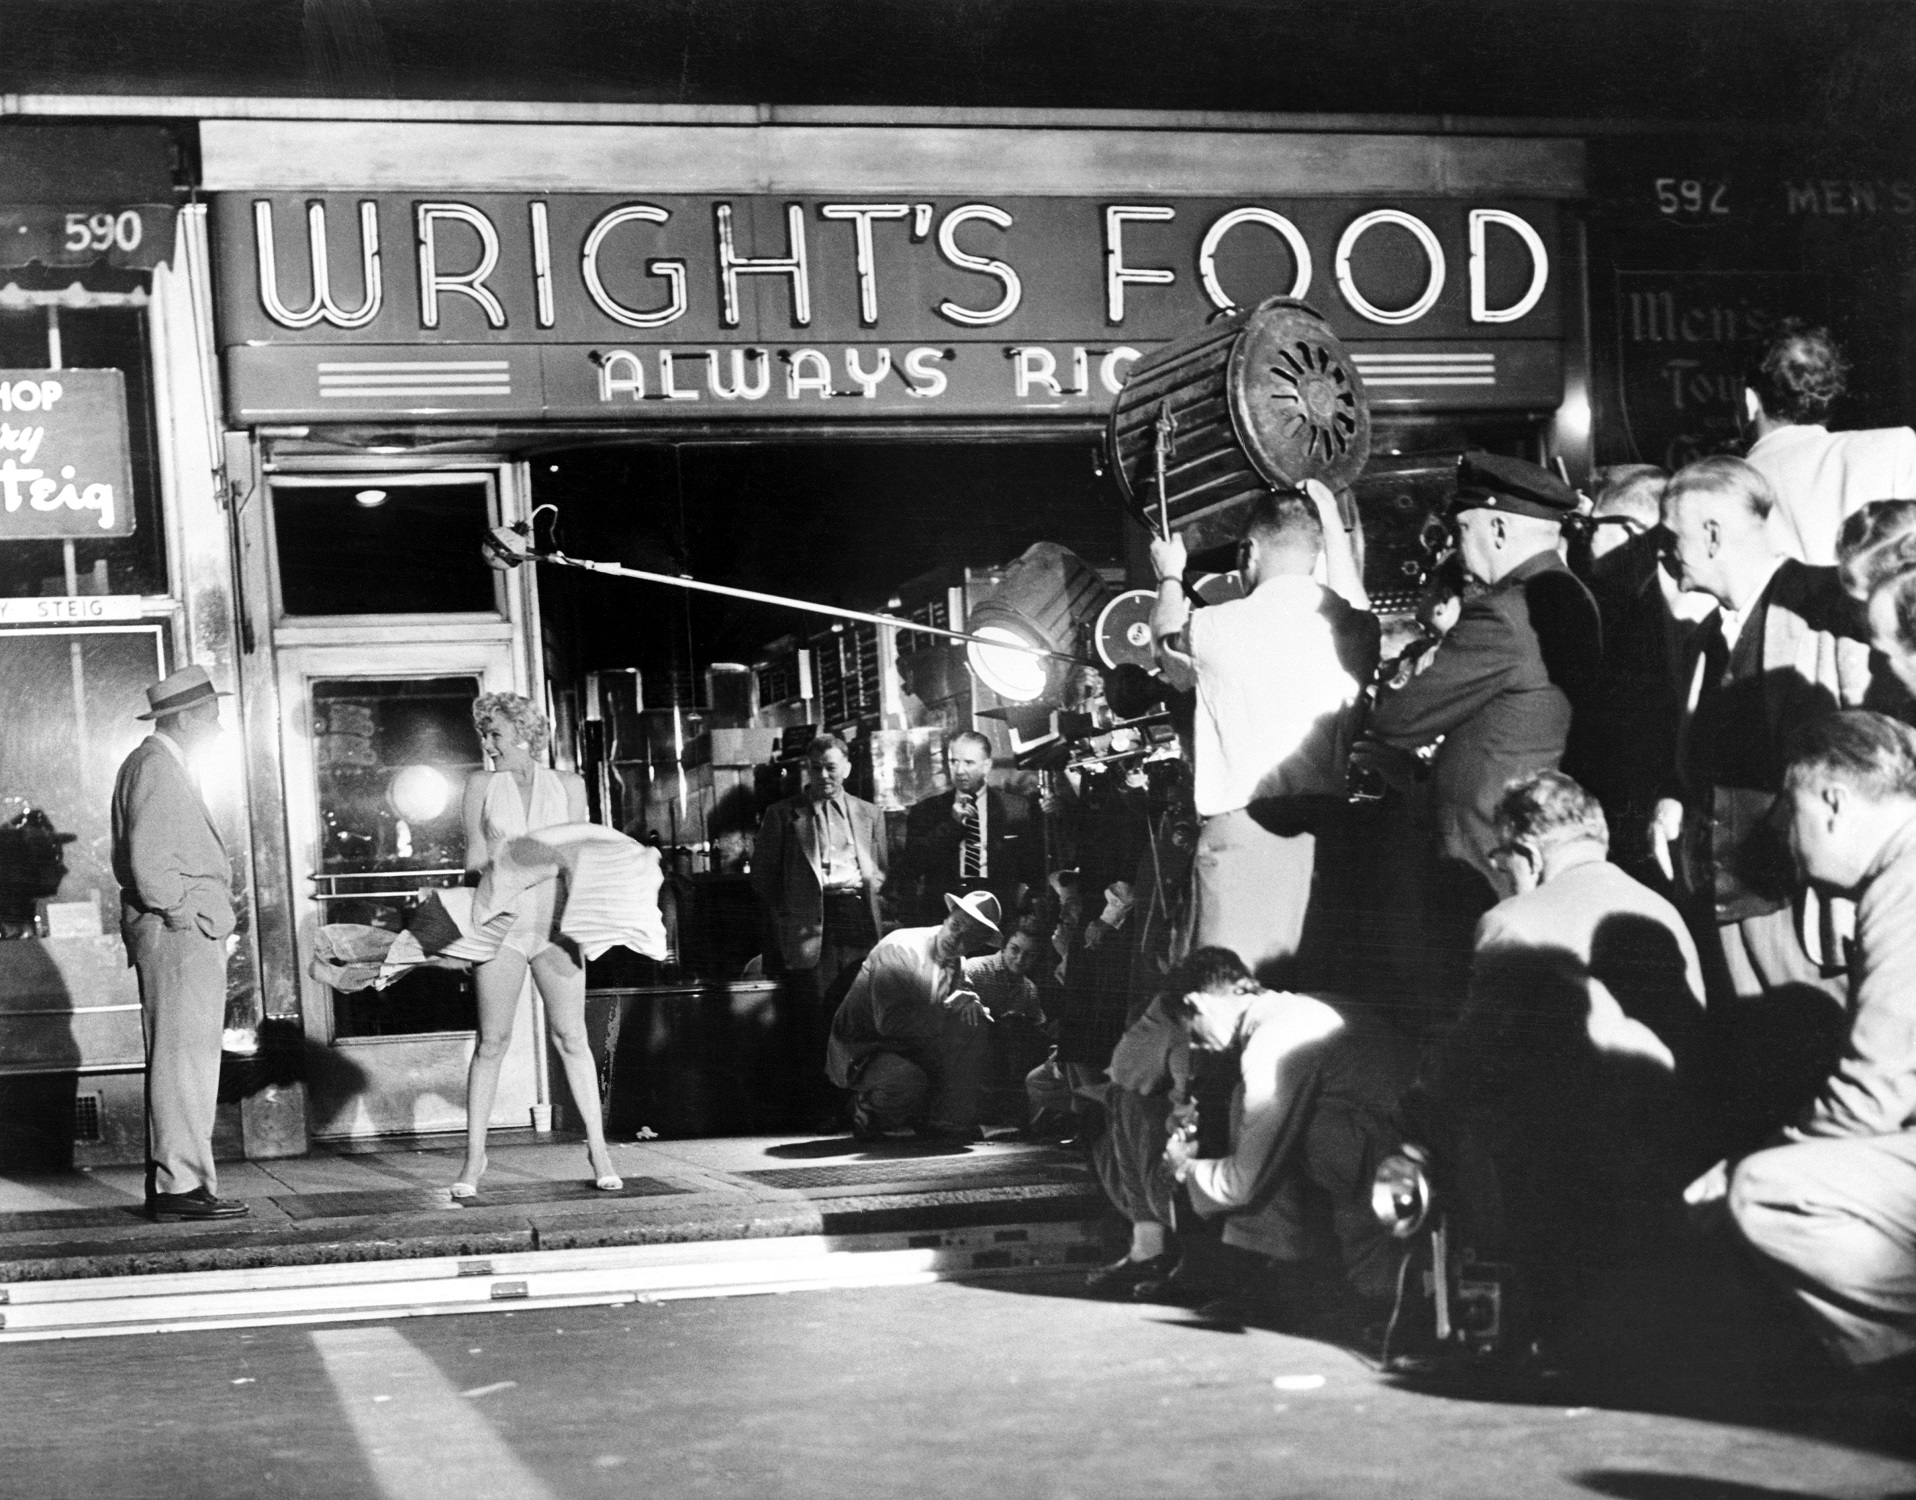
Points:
[[1011, 1389]]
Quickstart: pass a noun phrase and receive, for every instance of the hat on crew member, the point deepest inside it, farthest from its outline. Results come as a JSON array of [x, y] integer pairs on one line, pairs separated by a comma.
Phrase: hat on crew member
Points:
[[1513, 486], [980, 906], [185, 688]]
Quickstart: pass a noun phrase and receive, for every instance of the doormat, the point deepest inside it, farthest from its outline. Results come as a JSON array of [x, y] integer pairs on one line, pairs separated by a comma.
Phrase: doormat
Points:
[[28, 1220]]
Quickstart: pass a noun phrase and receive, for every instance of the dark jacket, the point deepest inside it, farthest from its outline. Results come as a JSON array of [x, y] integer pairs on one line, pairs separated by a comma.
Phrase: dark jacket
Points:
[[1797, 658], [928, 865], [785, 872], [1499, 691]]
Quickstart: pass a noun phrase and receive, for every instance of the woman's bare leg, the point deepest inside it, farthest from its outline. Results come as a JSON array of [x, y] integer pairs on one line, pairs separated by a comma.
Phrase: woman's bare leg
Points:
[[561, 981], [498, 981]]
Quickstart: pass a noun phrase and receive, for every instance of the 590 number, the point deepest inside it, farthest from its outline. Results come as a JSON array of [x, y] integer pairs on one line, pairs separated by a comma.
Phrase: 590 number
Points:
[[105, 231]]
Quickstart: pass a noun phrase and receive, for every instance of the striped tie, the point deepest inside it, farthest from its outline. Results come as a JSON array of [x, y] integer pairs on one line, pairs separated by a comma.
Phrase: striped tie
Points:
[[971, 860]]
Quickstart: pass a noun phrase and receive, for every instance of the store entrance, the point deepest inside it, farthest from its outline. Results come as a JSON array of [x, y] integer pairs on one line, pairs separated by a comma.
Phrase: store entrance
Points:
[[387, 624], [691, 712]]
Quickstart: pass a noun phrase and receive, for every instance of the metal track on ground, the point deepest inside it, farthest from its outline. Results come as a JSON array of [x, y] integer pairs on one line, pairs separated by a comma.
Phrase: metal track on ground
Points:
[[109, 1306]]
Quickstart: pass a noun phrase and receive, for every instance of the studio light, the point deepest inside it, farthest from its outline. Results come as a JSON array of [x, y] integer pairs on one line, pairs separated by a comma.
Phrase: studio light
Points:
[[369, 498], [1048, 598], [419, 793], [1011, 671]]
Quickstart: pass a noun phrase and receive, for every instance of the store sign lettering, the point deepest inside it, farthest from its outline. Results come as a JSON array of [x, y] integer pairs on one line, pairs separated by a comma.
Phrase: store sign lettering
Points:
[[64, 462], [342, 306], [459, 253]]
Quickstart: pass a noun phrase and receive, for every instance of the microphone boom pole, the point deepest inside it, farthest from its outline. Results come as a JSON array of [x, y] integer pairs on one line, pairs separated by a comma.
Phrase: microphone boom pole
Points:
[[512, 555]]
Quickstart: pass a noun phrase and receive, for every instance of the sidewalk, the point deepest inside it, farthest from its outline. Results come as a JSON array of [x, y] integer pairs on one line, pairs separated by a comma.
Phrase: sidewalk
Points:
[[326, 1209]]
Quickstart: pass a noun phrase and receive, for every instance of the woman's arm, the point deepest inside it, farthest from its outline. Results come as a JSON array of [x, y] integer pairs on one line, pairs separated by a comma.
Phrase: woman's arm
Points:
[[473, 810]]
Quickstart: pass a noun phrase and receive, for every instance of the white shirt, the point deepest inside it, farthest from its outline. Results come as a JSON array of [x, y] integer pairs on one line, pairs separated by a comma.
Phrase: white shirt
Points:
[[1822, 477], [983, 803], [1273, 699]]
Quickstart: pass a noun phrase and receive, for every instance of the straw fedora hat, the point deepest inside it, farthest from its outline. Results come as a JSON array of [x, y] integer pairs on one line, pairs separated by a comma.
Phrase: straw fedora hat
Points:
[[183, 690]]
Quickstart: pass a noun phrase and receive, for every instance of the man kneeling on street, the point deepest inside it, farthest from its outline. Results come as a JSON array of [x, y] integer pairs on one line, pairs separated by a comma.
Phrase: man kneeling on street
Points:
[[1829, 1207], [1310, 1117], [909, 1040]]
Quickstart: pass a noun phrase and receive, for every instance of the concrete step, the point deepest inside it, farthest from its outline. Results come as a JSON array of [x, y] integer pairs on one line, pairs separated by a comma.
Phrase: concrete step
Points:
[[105, 1306]]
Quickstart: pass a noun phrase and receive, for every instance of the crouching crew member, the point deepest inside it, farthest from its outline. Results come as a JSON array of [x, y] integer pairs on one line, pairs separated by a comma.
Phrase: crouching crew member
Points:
[[1830, 1206], [909, 1041]]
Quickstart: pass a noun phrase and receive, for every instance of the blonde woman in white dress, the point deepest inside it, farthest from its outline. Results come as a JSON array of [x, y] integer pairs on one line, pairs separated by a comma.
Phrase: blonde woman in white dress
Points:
[[521, 795]]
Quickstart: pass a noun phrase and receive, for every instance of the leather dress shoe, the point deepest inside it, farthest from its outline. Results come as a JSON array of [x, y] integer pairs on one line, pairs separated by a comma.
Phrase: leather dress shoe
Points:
[[1182, 1285], [171, 1208], [1121, 1279]]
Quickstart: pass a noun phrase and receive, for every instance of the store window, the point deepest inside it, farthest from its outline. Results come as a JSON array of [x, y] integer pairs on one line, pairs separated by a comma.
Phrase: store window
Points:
[[385, 545], [391, 758], [72, 700], [107, 331]]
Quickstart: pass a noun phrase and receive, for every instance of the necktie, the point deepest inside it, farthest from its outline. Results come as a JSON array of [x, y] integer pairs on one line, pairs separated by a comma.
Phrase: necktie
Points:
[[971, 860]]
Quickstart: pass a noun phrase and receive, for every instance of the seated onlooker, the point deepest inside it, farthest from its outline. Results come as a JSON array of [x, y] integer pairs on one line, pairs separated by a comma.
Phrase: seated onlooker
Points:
[[1002, 981], [1571, 1072], [1830, 1204], [1310, 1117]]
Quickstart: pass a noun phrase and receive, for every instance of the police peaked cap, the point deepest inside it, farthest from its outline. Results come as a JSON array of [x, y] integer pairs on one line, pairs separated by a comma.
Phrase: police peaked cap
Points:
[[1489, 481]]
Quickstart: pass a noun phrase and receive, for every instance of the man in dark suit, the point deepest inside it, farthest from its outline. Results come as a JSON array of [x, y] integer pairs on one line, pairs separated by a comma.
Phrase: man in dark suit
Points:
[[818, 866], [1784, 648], [1622, 749], [176, 914], [1499, 691], [972, 838]]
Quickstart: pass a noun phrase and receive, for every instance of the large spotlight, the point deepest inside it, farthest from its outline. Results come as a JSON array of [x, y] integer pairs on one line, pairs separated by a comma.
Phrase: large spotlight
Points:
[[1013, 671], [420, 793], [1047, 599]]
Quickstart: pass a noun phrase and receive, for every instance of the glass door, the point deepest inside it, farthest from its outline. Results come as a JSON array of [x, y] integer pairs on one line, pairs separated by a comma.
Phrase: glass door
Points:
[[379, 743]]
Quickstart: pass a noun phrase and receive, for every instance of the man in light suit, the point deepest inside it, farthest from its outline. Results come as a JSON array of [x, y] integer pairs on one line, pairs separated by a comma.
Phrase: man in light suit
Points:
[[818, 866], [972, 838], [176, 914]]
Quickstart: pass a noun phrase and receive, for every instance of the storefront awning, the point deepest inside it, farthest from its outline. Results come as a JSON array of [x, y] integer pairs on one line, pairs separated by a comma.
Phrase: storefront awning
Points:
[[78, 195]]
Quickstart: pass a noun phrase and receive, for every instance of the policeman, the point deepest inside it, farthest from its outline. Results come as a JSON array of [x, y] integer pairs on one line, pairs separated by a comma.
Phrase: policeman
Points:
[[1498, 694]]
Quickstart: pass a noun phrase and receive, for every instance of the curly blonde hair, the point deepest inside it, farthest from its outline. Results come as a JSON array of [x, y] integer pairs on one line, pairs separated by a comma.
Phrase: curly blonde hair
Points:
[[517, 710]]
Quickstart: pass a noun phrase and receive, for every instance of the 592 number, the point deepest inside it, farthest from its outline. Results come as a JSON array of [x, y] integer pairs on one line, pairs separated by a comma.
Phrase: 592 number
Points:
[[105, 231], [1689, 195]]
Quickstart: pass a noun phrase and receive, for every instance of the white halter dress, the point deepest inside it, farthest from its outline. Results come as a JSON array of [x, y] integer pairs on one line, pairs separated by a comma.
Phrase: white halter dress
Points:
[[505, 816]]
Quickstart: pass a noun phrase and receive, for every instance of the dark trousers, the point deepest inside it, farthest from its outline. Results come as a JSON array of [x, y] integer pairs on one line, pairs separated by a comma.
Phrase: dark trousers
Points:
[[812, 998]]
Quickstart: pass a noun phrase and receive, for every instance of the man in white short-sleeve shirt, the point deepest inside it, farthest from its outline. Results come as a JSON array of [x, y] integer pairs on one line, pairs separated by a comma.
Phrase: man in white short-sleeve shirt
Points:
[[1280, 677], [1820, 477]]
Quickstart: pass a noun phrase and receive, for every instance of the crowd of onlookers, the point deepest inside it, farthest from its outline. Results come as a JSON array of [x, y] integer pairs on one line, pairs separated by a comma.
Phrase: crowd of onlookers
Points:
[[1595, 893]]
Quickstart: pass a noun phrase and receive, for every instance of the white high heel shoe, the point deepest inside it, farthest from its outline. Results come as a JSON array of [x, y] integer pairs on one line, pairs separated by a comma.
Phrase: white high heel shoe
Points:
[[465, 1191], [611, 1182]]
